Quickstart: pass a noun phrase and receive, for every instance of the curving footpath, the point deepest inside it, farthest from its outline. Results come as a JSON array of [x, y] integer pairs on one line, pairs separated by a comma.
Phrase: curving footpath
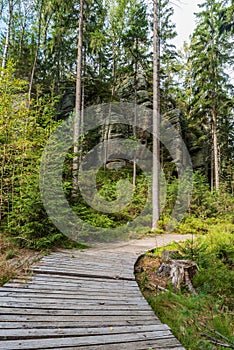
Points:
[[85, 300]]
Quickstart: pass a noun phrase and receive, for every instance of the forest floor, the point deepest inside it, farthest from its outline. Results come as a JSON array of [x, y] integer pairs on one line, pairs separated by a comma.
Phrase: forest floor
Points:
[[15, 261]]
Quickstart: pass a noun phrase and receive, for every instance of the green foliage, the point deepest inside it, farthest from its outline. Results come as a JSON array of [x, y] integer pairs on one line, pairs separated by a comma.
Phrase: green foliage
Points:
[[203, 201], [216, 280], [10, 254], [204, 205], [107, 181], [24, 132], [214, 254], [212, 90], [190, 316]]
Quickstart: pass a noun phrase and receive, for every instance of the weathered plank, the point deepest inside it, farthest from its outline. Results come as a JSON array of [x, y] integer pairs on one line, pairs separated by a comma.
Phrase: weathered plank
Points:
[[82, 279], [102, 311], [67, 294], [71, 286], [83, 282], [57, 343], [140, 345], [76, 318], [15, 323], [58, 332], [79, 286], [85, 273], [8, 301], [81, 305]]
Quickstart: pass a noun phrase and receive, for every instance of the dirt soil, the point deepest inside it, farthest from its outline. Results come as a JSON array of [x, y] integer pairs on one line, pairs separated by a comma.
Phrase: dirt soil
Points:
[[146, 274]]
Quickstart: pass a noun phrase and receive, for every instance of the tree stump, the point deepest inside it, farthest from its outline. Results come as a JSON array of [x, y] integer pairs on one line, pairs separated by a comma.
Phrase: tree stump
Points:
[[181, 272]]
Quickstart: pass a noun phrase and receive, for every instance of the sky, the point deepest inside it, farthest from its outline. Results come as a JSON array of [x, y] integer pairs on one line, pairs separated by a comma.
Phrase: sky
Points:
[[185, 19]]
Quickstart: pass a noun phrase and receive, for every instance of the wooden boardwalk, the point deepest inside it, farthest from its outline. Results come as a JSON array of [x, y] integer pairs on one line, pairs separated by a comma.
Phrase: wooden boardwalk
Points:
[[83, 300]]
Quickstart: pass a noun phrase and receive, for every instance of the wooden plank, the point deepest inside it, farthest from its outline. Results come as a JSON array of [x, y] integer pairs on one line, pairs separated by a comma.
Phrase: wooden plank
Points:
[[77, 282], [140, 345], [56, 343], [71, 301], [75, 279], [84, 273], [32, 295], [84, 323], [73, 287], [82, 279], [97, 264], [107, 265], [31, 292], [59, 290], [77, 318], [64, 332], [107, 272], [92, 255], [71, 312], [102, 306]]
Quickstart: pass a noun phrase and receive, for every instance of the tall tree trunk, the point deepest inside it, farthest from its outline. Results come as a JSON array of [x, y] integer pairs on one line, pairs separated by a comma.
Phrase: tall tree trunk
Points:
[[106, 126], [212, 168], [22, 34], [36, 53], [135, 113], [2, 195], [82, 106], [214, 107], [215, 150], [76, 127], [7, 42], [134, 134], [156, 122]]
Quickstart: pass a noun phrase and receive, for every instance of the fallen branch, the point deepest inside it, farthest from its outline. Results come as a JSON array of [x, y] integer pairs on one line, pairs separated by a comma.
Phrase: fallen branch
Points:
[[215, 332], [216, 341], [155, 287]]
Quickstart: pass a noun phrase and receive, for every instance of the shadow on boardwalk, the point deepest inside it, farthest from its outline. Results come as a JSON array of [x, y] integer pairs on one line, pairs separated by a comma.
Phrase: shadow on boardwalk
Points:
[[84, 300]]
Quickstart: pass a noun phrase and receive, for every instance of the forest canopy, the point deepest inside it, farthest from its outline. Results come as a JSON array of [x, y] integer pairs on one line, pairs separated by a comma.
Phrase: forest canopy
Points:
[[38, 90]]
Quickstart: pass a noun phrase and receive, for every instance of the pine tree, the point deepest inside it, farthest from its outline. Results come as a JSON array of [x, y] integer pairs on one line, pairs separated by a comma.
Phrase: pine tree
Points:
[[210, 53]]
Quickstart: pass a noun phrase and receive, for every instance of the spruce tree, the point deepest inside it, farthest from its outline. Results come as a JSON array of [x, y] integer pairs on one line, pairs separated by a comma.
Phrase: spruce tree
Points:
[[210, 54]]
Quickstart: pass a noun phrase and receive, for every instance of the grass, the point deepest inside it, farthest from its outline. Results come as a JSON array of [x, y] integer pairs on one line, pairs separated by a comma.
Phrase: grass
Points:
[[202, 321], [191, 317], [10, 255]]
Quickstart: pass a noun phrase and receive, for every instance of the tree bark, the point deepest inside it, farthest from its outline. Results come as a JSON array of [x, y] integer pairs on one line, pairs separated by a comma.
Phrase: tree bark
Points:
[[135, 113], [77, 121], [156, 122], [7, 42], [215, 149], [82, 107], [36, 54]]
